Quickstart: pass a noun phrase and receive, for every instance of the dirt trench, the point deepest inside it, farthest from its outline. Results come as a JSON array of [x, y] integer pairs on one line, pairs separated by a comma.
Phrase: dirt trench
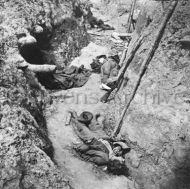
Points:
[[158, 133], [81, 174]]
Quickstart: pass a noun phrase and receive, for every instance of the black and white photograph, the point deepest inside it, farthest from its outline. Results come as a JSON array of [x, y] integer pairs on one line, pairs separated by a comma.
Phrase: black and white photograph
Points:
[[94, 94]]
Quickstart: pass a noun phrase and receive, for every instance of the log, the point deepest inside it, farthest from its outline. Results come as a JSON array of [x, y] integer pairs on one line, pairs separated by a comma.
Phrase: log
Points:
[[37, 68], [42, 68], [123, 70], [146, 63]]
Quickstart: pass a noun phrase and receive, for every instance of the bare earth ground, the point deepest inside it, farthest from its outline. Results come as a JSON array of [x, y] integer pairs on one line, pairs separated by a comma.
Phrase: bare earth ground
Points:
[[82, 174]]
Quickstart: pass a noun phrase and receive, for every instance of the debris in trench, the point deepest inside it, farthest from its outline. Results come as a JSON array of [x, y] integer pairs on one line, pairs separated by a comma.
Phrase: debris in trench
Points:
[[97, 34], [119, 37]]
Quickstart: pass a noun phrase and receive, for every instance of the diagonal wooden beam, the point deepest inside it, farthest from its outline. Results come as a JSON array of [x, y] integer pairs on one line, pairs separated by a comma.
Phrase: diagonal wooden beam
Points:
[[146, 62]]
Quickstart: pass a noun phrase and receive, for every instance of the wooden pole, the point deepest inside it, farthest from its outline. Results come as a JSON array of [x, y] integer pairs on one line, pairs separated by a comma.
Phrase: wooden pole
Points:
[[146, 63], [123, 56], [131, 16]]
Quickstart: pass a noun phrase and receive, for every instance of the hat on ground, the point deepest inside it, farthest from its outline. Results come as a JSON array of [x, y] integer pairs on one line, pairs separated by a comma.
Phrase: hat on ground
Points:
[[85, 117]]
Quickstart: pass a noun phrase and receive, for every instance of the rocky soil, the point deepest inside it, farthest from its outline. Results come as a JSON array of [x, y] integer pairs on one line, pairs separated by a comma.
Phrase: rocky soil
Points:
[[25, 149], [35, 145]]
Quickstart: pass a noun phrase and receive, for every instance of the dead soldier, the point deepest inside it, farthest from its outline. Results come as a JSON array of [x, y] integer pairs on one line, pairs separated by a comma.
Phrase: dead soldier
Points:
[[109, 71], [97, 147]]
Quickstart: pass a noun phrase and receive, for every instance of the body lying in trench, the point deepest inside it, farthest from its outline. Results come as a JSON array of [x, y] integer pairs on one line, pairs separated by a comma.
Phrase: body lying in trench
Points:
[[109, 70], [31, 52], [96, 146]]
